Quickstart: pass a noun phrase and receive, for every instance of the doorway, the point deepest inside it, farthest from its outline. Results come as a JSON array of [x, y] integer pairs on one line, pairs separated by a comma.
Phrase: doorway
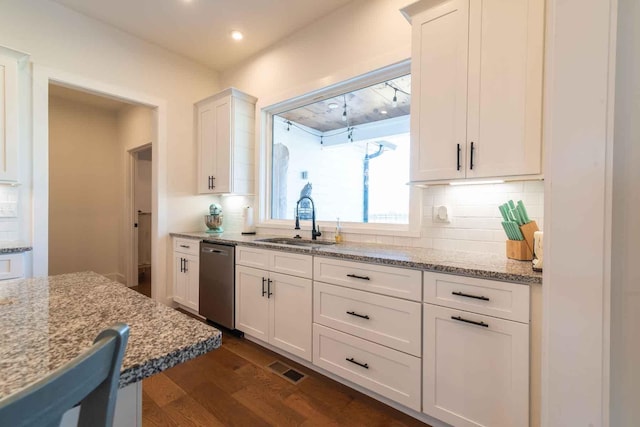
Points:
[[90, 140], [140, 177]]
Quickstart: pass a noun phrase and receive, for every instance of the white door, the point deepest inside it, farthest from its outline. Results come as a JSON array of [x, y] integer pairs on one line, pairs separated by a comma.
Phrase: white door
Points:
[[206, 135], [252, 305], [222, 156], [439, 103], [505, 87], [475, 369], [290, 314]]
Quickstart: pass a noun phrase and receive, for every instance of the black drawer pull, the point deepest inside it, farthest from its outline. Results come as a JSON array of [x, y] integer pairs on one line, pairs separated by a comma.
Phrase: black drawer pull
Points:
[[269, 293], [472, 151], [355, 276], [353, 313], [364, 365], [460, 319], [185, 246], [263, 282], [462, 294], [458, 155]]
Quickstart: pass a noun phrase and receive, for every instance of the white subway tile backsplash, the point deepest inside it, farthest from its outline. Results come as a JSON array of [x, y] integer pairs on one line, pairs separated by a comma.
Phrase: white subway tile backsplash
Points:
[[475, 219]]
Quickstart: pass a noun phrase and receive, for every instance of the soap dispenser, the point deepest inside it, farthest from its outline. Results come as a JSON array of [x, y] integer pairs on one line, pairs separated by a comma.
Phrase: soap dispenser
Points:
[[338, 231]]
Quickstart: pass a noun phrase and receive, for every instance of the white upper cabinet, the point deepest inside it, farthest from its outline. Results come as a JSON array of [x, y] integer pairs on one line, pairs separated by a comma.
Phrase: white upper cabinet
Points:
[[477, 82], [225, 126], [9, 121]]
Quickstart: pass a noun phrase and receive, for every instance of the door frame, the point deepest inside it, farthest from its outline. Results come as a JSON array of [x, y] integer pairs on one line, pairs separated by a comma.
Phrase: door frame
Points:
[[42, 77], [131, 217]]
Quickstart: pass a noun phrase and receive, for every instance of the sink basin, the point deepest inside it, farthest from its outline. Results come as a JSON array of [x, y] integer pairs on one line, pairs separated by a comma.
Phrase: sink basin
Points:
[[294, 242]]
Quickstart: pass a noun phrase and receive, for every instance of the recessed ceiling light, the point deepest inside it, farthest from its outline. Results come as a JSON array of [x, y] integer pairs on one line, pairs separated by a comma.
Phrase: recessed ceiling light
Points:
[[236, 35], [383, 111], [333, 106]]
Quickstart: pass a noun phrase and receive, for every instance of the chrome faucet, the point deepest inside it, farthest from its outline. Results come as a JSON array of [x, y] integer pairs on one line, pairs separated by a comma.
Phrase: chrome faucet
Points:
[[314, 233]]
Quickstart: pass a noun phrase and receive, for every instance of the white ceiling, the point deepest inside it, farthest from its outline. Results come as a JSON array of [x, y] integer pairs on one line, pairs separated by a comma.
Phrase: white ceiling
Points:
[[199, 29]]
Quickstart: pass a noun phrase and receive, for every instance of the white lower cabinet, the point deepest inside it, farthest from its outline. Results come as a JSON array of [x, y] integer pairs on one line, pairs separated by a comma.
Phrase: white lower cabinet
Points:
[[388, 372], [11, 266], [275, 308], [476, 368], [186, 273]]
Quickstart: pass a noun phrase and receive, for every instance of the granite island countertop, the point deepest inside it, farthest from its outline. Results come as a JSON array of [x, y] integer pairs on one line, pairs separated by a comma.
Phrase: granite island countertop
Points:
[[471, 264], [45, 322], [14, 247]]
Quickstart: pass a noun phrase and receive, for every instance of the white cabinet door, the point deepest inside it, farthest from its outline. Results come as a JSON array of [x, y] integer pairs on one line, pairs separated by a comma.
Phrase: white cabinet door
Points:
[[252, 305], [505, 87], [8, 118], [439, 102], [180, 279], [11, 266], [477, 69], [475, 374], [192, 273], [213, 121], [225, 136], [290, 314]]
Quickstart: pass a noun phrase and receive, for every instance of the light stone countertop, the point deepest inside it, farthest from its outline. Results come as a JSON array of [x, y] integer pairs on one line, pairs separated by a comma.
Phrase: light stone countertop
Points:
[[45, 322], [14, 247], [471, 264]]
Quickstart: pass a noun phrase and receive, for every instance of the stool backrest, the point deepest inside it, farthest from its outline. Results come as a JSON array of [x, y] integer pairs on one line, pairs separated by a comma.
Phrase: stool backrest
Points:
[[91, 380]]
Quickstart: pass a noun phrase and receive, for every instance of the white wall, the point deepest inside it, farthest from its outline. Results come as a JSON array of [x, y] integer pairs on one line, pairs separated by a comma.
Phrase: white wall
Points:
[[356, 39], [577, 205], [85, 199], [625, 283], [68, 42]]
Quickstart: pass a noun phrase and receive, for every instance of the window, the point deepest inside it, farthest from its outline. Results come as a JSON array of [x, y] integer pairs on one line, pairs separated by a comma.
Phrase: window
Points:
[[348, 151]]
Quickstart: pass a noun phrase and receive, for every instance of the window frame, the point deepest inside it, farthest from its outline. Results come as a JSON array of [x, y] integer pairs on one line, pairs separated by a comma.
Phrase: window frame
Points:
[[264, 157]]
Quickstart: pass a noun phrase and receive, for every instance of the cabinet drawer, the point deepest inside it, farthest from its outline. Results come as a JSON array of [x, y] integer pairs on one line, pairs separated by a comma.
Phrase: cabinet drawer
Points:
[[392, 281], [290, 263], [186, 246], [499, 299], [252, 257], [385, 320], [11, 266], [387, 372]]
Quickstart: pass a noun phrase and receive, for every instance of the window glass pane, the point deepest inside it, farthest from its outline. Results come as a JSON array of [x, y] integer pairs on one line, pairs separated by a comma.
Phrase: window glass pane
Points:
[[349, 153]]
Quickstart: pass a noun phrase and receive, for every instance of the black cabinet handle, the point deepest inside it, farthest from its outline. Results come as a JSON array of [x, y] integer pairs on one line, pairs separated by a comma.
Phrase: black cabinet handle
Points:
[[209, 184], [181, 265], [185, 246], [364, 365], [269, 293], [458, 156], [363, 316], [263, 291], [355, 276], [186, 263], [472, 151], [462, 294], [460, 319]]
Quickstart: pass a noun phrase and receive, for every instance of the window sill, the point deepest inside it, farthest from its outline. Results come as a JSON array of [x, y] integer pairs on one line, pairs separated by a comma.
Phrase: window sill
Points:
[[401, 230]]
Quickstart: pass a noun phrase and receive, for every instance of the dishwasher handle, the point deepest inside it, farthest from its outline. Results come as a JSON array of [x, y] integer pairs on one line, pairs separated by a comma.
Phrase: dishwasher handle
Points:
[[214, 251]]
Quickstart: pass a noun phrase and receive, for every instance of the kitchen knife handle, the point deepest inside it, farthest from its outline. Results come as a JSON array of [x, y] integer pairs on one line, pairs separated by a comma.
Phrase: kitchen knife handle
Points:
[[472, 151], [458, 156]]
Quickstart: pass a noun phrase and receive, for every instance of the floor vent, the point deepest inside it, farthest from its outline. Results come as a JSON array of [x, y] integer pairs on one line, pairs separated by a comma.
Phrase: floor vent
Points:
[[286, 372]]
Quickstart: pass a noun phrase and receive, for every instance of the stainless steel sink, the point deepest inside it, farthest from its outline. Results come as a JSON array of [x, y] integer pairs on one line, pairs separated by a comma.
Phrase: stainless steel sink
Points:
[[294, 242]]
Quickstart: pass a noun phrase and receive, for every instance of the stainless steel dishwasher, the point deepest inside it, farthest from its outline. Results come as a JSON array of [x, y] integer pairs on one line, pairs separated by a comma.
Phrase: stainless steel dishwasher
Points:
[[217, 283]]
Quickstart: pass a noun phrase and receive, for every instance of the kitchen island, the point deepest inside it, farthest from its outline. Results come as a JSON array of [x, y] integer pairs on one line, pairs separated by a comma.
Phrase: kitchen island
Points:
[[45, 322]]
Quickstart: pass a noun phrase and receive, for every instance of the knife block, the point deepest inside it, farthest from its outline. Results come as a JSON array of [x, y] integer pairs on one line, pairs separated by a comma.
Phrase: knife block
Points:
[[523, 249]]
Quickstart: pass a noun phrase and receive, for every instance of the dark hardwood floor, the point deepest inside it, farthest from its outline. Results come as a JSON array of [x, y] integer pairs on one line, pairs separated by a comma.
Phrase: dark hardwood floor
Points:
[[233, 386], [144, 282]]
